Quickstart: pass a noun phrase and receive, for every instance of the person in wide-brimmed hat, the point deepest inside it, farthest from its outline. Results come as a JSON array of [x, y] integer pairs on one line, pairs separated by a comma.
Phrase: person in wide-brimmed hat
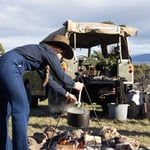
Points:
[[13, 96], [62, 42]]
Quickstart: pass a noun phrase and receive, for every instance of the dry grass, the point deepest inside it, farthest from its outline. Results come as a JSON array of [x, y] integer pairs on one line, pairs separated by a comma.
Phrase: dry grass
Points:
[[137, 129]]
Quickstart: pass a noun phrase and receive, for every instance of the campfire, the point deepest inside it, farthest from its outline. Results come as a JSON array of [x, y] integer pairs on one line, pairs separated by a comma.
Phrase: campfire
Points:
[[77, 139]]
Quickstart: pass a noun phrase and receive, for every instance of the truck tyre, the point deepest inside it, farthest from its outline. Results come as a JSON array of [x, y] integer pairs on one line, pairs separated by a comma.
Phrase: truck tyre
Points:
[[33, 100], [105, 108], [133, 110]]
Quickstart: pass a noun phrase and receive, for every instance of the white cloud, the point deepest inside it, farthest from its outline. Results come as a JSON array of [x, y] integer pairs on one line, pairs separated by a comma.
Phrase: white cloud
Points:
[[15, 41], [24, 21]]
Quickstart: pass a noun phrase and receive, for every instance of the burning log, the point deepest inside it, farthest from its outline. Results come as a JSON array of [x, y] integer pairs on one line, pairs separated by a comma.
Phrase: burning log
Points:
[[111, 138], [92, 139], [66, 147], [39, 137], [128, 143], [76, 134], [33, 145], [125, 146], [108, 133], [51, 132]]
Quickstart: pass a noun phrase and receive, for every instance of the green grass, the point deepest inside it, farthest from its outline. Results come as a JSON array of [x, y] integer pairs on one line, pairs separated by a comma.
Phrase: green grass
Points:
[[138, 129]]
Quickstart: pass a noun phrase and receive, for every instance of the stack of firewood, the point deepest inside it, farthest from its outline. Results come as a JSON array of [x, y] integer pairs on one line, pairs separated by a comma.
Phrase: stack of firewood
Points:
[[111, 138]]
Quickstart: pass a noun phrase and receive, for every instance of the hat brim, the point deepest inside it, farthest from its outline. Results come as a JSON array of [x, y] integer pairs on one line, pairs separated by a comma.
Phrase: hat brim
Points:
[[68, 54]]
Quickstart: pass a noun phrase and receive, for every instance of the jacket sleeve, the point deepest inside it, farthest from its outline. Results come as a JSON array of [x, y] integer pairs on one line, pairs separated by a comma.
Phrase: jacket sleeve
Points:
[[59, 73], [56, 86]]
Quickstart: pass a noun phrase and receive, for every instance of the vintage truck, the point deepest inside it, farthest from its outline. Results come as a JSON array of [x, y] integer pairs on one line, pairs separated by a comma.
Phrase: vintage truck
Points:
[[86, 37]]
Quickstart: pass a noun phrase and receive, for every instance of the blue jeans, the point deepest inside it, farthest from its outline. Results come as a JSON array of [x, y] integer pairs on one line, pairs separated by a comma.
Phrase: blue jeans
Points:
[[14, 102]]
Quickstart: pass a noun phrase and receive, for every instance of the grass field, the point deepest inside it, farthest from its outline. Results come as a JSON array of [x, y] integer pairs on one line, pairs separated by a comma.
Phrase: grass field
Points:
[[138, 129]]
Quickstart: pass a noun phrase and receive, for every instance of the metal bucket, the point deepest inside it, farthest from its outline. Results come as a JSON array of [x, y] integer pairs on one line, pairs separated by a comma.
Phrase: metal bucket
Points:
[[121, 111]]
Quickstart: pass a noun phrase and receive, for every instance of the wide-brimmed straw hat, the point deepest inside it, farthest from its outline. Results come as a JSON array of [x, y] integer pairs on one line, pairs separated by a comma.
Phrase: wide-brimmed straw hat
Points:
[[62, 42]]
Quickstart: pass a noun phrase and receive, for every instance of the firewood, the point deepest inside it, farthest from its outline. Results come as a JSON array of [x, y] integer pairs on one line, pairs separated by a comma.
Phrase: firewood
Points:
[[124, 141], [32, 144], [108, 133], [92, 138]]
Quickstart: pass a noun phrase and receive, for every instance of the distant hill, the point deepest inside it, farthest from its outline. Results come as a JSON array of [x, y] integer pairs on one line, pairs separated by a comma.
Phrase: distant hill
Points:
[[143, 58]]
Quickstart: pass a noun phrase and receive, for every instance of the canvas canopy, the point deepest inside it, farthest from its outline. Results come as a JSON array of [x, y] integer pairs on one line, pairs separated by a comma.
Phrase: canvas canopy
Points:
[[88, 34]]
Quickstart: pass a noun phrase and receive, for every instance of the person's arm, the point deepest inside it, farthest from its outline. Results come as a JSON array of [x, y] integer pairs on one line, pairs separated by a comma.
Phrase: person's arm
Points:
[[54, 85], [59, 73]]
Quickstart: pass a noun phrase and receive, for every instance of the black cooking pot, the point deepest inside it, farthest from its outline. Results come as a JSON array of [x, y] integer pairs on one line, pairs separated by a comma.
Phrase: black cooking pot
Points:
[[78, 117]]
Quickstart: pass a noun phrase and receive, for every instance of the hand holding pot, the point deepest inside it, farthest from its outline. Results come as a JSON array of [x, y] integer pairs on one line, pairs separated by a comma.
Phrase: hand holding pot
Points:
[[71, 97], [78, 86]]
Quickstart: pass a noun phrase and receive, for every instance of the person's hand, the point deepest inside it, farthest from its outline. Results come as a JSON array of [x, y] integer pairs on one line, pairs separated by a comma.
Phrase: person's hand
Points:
[[71, 97], [78, 86]]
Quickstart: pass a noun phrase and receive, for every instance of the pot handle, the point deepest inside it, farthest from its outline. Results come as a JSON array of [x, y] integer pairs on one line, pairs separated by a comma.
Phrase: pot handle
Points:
[[78, 103], [79, 98]]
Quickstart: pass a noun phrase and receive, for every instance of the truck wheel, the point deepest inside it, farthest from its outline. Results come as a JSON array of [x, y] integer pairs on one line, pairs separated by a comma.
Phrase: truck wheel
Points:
[[133, 110], [33, 100], [105, 108]]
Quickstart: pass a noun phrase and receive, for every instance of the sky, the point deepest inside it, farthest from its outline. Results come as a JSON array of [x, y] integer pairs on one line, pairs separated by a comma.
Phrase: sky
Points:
[[29, 21]]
